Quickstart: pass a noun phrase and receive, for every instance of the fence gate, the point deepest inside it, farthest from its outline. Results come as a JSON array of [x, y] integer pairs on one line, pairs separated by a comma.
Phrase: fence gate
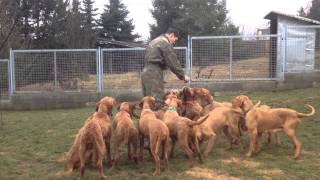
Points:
[[302, 48], [4, 79]]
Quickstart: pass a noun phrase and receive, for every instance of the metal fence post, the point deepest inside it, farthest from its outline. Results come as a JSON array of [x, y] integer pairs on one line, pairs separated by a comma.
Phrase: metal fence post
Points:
[[55, 70], [101, 71], [230, 56], [188, 61], [11, 73], [284, 39], [98, 69]]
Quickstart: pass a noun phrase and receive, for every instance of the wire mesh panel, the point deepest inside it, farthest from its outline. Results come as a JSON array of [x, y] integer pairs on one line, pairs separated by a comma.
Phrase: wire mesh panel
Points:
[[4, 79], [302, 48], [54, 70], [76, 70], [235, 58], [122, 68]]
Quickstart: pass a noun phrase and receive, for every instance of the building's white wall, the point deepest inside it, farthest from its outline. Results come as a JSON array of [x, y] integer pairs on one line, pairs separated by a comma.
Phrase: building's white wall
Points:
[[300, 45]]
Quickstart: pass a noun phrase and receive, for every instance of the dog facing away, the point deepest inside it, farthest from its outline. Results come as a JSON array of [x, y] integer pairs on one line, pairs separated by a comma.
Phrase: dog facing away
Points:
[[155, 130], [181, 129], [125, 131], [259, 120], [89, 147]]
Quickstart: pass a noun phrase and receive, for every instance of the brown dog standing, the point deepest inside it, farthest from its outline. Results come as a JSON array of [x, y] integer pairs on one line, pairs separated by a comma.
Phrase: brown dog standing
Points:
[[90, 143], [259, 120], [125, 131], [181, 129], [155, 130]]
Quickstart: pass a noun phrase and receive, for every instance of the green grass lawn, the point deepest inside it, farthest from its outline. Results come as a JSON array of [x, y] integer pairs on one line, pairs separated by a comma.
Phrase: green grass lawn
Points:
[[33, 143]]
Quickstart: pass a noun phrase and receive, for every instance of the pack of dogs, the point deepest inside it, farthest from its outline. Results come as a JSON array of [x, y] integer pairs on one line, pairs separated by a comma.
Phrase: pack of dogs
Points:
[[190, 117]]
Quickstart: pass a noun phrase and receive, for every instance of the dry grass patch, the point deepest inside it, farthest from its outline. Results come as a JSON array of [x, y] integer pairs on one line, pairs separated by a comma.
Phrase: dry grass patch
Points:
[[209, 174], [240, 162], [270, 172]]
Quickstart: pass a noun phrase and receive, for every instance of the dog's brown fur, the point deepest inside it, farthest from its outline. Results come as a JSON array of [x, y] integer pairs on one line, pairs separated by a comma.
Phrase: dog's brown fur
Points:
[[91, 141], [156, 131], [125, 131], [213, 105], [259, 120], [181, 129], [190, 108], [218, 119], [246, 105]]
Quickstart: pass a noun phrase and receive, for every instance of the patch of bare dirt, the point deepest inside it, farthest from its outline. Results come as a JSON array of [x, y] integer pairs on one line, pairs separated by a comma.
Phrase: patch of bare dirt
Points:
[[243, 163], [209, 174]]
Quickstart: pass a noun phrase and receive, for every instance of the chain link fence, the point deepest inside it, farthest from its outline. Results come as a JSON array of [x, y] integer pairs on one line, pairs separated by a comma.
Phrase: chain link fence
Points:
[[223, 58], [54, 70], [235, 58], [4, 79]]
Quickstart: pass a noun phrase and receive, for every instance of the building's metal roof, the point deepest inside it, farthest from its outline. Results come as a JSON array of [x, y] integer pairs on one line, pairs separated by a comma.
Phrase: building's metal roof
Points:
[[273, 14], [106, 42]]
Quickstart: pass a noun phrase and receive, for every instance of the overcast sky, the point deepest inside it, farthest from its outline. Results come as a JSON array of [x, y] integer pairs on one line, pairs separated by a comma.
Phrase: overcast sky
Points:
[[247, 14]]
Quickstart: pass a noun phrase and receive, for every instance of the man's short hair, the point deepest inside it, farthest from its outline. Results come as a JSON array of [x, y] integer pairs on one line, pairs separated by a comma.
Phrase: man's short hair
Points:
[[174, 31]]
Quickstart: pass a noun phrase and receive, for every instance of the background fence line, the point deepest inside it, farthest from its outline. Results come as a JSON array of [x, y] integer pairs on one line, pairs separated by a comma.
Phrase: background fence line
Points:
[[207, 58]]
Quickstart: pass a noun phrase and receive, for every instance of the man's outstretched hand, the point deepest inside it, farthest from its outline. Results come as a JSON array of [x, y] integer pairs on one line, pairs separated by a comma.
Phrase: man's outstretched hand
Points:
[[186, 78]]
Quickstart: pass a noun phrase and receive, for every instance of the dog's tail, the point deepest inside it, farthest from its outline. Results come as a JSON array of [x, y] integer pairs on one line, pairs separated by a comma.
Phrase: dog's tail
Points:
[[199, 121], [300, 115], [257, 104]]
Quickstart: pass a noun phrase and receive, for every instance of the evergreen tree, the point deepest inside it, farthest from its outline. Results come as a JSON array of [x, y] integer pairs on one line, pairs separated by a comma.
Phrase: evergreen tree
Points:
[[89, 23], [165, 12], [314, 12], [74, 27], [59, 25], [115, 24], [201, 17], [9, 36]]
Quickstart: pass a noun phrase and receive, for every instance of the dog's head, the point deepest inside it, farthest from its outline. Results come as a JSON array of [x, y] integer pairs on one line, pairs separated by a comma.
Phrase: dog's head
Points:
[[105, 105], [128, 107], [171, 93], [203, 95], [187, 94], [172, 101], [242, 102], [147, 102]]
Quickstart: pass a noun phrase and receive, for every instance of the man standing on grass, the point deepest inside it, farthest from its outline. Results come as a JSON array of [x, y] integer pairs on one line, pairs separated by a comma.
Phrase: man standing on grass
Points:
[[160, 56]]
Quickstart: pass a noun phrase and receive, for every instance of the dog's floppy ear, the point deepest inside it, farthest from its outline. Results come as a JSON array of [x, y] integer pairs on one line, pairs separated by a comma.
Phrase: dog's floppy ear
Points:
[[97, 106], [236, 102], [141, 103]]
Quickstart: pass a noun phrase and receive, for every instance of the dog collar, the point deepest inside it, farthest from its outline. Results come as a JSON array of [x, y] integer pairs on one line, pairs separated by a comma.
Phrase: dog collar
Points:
[[172, 108], [123, 110]]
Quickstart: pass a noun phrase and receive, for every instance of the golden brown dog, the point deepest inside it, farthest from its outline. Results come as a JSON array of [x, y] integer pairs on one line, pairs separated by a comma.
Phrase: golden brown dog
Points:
[[246, 105], [259, 120], [125, 131], [156, 131], [213, 105], [91, 141], [190, 108], [181, 129], [218, 119], [202, 95]]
